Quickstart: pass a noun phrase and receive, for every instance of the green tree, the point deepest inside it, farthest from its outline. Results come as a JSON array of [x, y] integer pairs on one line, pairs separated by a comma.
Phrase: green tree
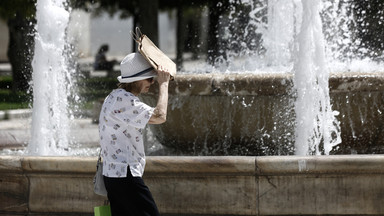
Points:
[[20, 18], [144, 13]]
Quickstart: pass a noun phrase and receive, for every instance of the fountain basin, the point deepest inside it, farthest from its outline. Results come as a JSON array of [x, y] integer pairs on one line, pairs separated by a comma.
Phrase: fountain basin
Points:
[[253, 114], [230, 185]]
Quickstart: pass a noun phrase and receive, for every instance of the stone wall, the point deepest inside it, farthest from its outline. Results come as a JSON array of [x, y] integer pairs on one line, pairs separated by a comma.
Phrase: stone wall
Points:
[[253, 114], [231, 185]]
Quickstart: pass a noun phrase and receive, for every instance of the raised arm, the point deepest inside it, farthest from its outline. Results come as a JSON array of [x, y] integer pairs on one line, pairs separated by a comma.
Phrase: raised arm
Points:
[[159, 115]]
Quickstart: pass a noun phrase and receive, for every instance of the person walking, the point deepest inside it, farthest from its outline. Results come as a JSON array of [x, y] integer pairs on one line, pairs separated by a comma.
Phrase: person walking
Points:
[[122, 120]]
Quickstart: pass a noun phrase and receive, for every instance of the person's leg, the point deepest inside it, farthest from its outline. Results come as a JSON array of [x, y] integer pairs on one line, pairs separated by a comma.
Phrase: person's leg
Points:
[[130, 196], [120, 196], [145, 203], [109, 65]]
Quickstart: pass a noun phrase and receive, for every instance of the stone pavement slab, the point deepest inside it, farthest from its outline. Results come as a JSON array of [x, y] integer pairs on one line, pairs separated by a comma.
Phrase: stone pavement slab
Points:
[[16, 133]]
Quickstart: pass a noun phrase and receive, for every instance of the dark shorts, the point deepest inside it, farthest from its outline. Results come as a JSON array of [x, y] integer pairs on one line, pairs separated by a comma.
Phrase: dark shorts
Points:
[[130, 196]]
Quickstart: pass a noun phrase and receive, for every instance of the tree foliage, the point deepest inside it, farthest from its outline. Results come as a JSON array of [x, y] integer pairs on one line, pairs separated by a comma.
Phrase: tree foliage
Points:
[[20, 18], [11, 8]]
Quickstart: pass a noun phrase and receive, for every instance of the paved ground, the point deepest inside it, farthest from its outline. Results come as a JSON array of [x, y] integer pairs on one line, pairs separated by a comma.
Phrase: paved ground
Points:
[[16, 133], [15, 125]]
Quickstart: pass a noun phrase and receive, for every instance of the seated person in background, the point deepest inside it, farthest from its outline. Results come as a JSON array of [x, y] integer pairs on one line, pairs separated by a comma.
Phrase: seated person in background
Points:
[[101, 62]]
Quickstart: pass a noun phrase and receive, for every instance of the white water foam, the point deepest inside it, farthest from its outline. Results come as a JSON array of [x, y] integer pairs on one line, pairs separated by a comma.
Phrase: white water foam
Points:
[[316, 123], [50, 118]]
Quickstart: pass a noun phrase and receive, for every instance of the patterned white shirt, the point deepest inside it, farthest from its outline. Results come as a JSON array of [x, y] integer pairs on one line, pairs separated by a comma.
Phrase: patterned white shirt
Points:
[[123, 118]]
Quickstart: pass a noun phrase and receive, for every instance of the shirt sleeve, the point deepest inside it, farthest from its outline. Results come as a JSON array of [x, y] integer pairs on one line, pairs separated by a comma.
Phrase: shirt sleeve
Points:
[[132, 111]]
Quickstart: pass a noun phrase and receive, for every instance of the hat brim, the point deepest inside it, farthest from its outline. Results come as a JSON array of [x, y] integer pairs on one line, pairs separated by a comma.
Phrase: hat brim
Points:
[[144, 76]]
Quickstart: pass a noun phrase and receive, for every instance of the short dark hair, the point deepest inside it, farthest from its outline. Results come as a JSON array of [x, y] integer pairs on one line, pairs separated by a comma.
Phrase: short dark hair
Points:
[[130, 87], [126, 86]]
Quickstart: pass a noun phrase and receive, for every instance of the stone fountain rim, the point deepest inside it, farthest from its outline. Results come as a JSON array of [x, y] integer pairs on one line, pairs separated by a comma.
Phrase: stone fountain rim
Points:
[[215, 84], [215, 165]]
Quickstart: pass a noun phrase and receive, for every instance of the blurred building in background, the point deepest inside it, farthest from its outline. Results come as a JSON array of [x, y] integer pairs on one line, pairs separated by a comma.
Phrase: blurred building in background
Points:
[[87, 33]]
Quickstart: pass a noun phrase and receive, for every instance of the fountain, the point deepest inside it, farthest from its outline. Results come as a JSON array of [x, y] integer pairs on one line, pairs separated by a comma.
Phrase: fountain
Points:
[[315, 119], [243, 114], [279, 102], [51, 81]]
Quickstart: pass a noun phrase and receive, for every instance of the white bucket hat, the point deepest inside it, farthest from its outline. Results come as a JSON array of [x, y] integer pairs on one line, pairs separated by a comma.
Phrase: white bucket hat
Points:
[[134, 67]]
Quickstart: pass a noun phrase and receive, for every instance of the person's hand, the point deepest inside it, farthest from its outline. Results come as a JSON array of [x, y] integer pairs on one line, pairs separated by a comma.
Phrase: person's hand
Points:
[[162, 75]]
